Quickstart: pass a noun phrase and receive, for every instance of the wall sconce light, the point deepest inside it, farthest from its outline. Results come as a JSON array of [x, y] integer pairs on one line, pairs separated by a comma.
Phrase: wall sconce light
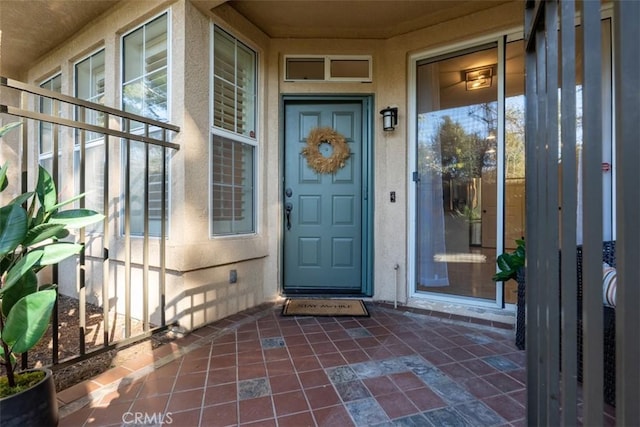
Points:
[[478, 78], [389, 118]]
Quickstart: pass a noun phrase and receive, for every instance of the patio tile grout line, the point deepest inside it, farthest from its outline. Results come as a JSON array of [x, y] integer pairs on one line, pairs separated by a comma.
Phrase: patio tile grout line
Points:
[[264, 358], [206, 382], [69, 408], [324, 369], [178, 352]]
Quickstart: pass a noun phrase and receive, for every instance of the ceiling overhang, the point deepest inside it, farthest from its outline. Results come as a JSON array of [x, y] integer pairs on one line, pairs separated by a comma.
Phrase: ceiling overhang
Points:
[[29, 29], [354, 19]]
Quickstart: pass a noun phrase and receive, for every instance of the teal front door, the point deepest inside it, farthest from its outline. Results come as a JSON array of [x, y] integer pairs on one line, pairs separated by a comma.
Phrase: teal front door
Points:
[[325, 240]]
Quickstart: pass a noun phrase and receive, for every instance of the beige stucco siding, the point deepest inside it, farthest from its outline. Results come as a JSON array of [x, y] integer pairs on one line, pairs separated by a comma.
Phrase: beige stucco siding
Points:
[[198, 290], [390, 87]]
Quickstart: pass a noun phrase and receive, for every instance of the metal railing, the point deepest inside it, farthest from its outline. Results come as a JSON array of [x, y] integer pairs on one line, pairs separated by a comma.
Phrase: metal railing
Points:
[[116, 131], [554, 351]]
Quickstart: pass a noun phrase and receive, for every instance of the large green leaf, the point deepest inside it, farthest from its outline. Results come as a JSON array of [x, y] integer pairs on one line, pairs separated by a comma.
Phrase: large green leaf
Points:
[[503, 276], [59, 251], [510, 263], [76, 218], [3, 176], [27, 284], [42, 232], [6, 128], [66, 202], [22, 267], [504, 262], [28, 320], [46, 190], [22, 198], [38, 218], [13, 228]]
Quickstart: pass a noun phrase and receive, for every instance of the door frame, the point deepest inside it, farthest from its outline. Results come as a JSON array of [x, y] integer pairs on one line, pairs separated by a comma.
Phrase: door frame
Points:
[[367, 104], [501, 39]]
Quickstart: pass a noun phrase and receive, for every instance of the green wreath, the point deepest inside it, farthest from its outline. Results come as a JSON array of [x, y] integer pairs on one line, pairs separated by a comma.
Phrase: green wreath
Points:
[[316, 160]]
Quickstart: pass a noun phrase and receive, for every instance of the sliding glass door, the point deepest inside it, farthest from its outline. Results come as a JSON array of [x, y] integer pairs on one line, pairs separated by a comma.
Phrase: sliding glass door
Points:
[[463, 201]]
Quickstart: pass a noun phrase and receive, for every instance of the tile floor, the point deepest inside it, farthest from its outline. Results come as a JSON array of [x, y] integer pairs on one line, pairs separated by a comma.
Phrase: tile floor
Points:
[[259, 368]]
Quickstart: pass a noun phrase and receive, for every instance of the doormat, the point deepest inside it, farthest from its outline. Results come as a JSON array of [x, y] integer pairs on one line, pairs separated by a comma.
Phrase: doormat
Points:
[[324, 307]]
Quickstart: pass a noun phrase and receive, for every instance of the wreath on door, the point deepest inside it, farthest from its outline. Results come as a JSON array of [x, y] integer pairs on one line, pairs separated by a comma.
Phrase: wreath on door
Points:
[[317, 160]]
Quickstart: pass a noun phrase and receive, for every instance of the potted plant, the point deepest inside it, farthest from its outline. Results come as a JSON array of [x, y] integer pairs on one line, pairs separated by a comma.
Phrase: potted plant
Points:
[[509, 263], [32, 227], [511, 266]]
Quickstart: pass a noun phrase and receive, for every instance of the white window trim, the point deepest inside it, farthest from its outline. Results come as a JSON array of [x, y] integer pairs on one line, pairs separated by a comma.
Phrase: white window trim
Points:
[[512, 35], [120, 58], [84, 58], [254, 213], [49, 154], [412, 159], [169, 57], [215, 131], [98, 142]]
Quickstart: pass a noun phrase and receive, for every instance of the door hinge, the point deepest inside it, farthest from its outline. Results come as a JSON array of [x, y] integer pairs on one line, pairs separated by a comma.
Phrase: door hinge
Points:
[[416, 177]]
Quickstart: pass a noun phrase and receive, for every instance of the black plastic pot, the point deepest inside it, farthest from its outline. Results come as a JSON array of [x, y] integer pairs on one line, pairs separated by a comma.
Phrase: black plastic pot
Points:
[[520, 319], [36, 406]]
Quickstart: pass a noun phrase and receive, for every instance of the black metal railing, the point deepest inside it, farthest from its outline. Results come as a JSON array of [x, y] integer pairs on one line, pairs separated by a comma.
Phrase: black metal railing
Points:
[[115, 246]]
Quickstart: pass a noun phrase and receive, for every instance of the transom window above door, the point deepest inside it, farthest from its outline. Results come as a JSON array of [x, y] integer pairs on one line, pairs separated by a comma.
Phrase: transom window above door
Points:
[[328, 68]]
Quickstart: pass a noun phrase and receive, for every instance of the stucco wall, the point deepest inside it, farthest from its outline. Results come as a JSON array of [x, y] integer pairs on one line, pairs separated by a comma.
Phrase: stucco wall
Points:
[[197, 283], [198, 265], [390, 87]]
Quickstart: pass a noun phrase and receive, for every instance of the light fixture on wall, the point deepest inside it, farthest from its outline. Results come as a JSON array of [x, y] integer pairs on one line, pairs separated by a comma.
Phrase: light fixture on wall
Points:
[[389, 118], [478, 78]]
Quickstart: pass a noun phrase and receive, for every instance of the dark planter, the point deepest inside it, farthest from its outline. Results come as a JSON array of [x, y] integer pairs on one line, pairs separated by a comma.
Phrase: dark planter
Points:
[[520, 319], [36, 406]]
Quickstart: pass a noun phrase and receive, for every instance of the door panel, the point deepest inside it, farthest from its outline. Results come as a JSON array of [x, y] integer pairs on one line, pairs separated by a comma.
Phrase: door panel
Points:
[[323, 244], [456, 189]]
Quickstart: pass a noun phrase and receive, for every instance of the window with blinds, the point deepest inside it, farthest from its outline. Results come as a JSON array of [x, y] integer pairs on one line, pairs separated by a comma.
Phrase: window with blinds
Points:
[[145, 91], [232, 204], [234, 88], [233, 136]]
